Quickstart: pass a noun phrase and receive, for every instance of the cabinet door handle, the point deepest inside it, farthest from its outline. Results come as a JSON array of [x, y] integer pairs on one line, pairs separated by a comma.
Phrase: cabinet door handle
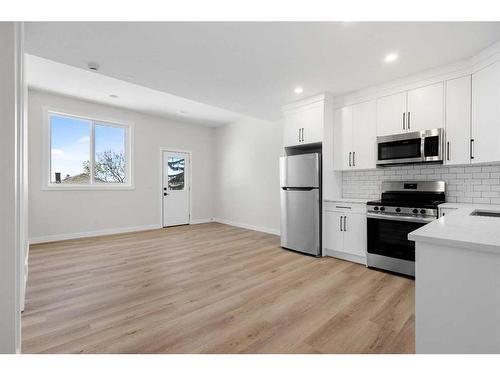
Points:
[[448, 151], [345, 223], [472, 148], [350, 154], [340, 221], [409, 127], [354, 158], [302, 134], [403, 121]]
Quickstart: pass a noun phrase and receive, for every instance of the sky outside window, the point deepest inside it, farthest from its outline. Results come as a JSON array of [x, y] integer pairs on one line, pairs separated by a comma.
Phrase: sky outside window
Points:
[[70, 148]]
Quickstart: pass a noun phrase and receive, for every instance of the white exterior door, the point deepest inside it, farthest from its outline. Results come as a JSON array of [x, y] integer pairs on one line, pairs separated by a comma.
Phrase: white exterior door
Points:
[[176, 188]]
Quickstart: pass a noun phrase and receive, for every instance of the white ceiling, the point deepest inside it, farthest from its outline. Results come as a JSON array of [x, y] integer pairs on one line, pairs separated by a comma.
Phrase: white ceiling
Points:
[[252, 68], [64, 79]]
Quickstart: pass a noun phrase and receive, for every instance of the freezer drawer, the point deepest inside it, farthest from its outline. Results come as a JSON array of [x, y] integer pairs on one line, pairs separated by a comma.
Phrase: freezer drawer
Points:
[[300, 220], [300, 170]]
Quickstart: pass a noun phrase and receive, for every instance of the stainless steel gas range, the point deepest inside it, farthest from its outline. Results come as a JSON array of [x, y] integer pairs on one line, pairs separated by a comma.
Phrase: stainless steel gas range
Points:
[[404, 206]]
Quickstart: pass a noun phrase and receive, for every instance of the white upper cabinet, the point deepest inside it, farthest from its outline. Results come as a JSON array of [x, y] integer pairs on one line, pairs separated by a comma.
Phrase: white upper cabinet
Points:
[[346, 138], [355, 136], [486, 114], [391, 114], [417, 109], [425, 108], [342, 139], [364, 135], [303, 122], [458, 120]]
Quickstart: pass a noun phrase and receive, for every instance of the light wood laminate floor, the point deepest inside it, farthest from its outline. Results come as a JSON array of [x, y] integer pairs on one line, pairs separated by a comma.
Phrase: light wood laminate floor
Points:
[[209, 288]]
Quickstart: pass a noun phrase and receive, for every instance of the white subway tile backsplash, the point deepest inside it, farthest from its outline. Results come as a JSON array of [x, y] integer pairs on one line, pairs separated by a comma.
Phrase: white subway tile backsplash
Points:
[[464, 184]]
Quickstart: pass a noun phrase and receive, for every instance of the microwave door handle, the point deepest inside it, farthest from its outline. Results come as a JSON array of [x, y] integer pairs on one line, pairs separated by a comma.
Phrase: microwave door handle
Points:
[[422, 149]]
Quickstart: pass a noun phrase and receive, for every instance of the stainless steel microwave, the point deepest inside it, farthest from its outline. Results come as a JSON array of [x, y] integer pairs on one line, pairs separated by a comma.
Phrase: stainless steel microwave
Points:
[[416, 147]]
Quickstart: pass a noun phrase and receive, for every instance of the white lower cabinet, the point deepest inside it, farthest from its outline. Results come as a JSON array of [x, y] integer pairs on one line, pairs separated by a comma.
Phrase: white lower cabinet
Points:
[[344, 228]]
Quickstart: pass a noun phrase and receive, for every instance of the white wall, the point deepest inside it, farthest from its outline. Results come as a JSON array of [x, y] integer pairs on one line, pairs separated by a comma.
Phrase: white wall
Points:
[[10, 94], [247, 174], [62, 214]]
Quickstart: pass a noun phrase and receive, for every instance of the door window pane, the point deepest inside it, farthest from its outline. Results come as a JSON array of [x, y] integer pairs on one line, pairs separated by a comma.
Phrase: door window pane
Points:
[[109, 158], [70, 150], [176, 173]]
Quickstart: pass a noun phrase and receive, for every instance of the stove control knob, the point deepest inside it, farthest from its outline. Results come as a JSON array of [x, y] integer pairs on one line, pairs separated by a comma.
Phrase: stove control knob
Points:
[[415, 211], [398, 209], [375, 208], [382, 208], [422, 212]]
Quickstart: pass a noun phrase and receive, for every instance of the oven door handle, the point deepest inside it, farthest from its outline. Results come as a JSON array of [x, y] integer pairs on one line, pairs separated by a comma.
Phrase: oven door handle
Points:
[[412, 219]]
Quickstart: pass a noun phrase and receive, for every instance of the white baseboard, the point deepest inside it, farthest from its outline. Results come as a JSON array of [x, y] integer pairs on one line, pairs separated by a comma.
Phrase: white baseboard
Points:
[[104, 232], [247, 226], [95, 233], [201, 221], [345, 256]]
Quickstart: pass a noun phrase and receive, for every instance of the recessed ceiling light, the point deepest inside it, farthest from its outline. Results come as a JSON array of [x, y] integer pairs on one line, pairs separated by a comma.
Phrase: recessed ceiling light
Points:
[[298, 90], [93, 66], [113, 96], [391, 57]]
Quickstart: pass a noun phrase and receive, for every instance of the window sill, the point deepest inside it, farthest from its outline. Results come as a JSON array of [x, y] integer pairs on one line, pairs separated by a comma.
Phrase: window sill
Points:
[[54, 187]]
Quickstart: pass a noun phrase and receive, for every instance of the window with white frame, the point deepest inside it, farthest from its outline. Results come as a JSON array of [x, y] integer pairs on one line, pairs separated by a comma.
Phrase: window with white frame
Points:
[[88, 153]]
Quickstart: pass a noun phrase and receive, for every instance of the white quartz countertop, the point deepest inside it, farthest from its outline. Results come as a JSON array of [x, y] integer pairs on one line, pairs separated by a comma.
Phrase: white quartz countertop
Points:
[[459, 229], [347, 200]]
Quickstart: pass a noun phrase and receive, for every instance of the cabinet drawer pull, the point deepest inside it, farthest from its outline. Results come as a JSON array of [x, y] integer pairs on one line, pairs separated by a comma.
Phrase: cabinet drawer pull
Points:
[[346, 207]]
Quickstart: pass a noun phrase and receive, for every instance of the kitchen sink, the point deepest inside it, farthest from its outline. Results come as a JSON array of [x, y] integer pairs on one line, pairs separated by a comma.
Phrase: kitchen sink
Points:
[[485, 213]]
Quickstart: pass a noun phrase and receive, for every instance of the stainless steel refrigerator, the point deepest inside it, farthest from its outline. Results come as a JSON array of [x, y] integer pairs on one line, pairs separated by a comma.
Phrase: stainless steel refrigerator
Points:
[[300, 181]]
